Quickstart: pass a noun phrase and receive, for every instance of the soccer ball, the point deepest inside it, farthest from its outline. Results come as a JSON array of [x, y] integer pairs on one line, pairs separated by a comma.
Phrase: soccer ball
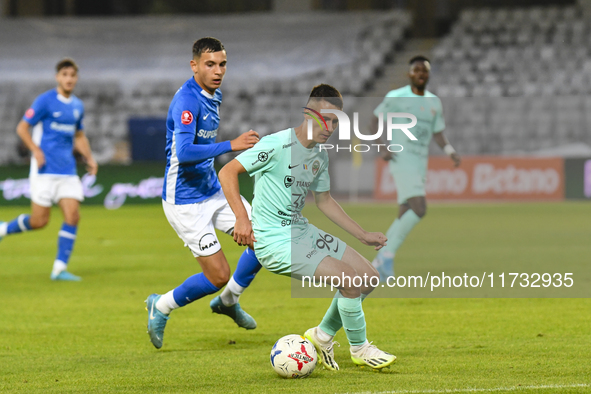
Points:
[[293, 356]]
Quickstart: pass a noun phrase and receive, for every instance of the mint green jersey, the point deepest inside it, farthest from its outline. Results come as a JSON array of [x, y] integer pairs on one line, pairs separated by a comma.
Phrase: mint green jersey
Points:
[[284, 172], [429, 113]]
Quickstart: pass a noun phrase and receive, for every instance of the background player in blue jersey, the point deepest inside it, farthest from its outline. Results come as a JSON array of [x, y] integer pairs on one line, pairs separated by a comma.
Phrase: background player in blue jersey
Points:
[[193, 201], [56, 118]]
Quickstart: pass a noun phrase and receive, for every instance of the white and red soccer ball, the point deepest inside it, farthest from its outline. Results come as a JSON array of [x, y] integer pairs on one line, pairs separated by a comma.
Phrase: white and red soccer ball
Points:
[[293, 356]]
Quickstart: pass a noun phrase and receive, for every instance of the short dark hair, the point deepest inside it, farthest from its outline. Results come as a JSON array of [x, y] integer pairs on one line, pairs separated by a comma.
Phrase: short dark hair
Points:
[[66, 62], [419, 58], [207, 44], [327, 93]]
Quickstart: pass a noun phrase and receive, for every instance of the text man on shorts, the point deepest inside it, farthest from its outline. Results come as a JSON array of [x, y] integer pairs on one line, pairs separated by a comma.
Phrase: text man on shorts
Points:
[[286, 165], [56, 119], [409, 167], [193, 201]]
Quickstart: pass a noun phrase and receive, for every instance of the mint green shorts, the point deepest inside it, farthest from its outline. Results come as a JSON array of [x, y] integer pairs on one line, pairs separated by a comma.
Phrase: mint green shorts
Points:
[[410, 181], [300, 256]]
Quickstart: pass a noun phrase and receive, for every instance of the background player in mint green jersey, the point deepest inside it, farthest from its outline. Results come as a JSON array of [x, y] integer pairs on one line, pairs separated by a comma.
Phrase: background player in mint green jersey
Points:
[[409, 167], [286, 165]]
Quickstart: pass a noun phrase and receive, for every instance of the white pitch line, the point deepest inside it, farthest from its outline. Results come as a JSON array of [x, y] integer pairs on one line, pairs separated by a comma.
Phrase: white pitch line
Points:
[[493, 390]]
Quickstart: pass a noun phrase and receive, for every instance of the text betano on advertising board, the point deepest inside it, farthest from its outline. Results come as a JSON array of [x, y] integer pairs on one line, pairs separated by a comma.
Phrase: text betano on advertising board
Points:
[[484, 178]]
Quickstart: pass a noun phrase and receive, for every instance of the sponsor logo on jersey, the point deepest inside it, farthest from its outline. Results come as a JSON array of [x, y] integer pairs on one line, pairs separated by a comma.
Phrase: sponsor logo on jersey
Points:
[[303, 184], [30, 113], [186, 117], [65, 128], [208, 241], [288, 180], [288, 145], [262, 157], [207, 133]]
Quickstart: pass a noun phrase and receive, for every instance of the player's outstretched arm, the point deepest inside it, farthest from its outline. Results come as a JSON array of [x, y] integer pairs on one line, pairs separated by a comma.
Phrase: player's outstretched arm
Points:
[[447, 148], [24, 132], [335, 212], [245, 141], [82, 146], [189, 152], [228, 176]]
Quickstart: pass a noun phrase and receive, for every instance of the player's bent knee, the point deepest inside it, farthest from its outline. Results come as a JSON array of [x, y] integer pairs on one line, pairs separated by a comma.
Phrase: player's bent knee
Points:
[[351, 292], [420, 212], [37, 223], [72, 218], [220, 279]]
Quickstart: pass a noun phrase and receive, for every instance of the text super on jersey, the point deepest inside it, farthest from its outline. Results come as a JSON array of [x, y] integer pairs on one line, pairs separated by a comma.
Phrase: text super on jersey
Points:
[[193, 118], [55, 120]]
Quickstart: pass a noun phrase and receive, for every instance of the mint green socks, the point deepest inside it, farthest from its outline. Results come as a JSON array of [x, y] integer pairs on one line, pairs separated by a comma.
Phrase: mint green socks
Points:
[[399, 230], [345, 312]]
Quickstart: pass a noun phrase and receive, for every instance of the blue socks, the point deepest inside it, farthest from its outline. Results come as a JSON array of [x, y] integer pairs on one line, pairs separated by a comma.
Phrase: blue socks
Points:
[[65, 242], [192, 289], [198, 286], [19, 225], [248, 266], [246, 269]]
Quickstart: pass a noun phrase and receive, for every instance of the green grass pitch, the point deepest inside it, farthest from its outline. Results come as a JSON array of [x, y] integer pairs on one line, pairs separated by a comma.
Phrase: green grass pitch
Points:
[[90, 337]]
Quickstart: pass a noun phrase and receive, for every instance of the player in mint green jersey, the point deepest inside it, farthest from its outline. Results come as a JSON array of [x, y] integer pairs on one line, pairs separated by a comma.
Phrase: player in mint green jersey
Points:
[[409, 167], [286, 165]]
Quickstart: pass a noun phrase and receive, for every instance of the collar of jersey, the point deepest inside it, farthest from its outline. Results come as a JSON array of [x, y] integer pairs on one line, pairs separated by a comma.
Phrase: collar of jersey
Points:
[[293, 135], [65, 100], [416, 95], [209, 96], [198, 88]]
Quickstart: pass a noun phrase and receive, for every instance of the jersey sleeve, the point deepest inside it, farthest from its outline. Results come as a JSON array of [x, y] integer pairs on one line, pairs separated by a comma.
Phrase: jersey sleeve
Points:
[[438, 121], [36, 112], [261, 157], [322, 182], [79, 123], [185, 114]]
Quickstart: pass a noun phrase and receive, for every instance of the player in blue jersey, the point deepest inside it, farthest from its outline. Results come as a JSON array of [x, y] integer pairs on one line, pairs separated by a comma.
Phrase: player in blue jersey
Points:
[[56, 119], [193, 201]]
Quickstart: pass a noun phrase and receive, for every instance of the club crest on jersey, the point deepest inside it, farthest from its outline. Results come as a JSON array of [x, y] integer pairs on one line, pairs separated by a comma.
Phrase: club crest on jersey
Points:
[[315, 167], [288, 180], [76, 114], [186, 117], [30, 113]]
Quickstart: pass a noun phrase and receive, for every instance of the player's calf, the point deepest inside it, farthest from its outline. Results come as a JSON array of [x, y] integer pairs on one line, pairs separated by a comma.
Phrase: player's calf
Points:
[[18, 225]]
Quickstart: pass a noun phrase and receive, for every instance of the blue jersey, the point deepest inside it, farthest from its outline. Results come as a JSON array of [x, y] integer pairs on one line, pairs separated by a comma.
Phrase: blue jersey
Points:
[[191, 130], [55, 120]]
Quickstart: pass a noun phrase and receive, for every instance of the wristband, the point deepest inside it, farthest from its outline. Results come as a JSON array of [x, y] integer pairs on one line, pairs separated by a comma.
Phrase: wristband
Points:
[[449, 150]]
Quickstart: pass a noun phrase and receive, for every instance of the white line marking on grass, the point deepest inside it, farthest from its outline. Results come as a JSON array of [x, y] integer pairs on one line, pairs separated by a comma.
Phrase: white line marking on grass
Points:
[[493, 390]]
